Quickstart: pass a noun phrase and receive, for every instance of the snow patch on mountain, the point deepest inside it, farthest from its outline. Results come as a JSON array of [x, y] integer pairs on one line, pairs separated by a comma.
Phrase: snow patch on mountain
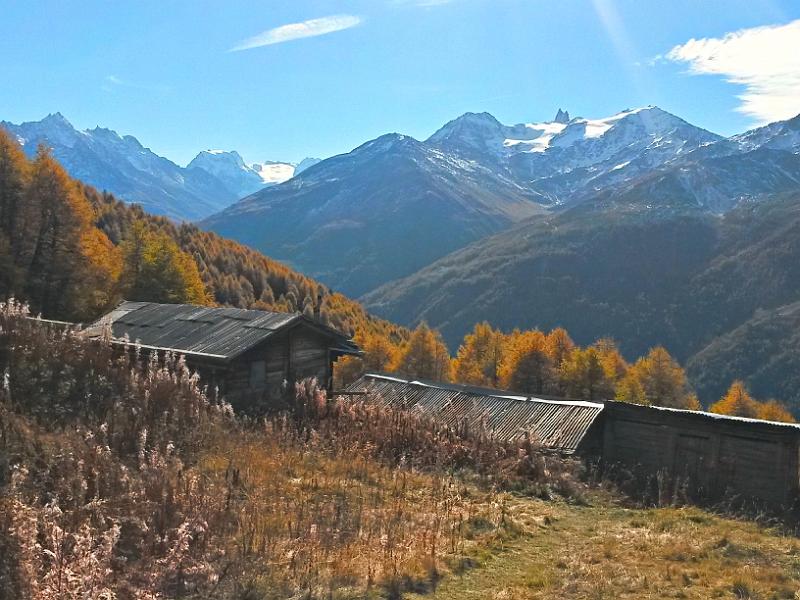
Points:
[[272, 172]]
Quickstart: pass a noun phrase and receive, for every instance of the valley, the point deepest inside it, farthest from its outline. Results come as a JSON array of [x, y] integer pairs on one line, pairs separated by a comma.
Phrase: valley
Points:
[[615, 224], [605, 227]]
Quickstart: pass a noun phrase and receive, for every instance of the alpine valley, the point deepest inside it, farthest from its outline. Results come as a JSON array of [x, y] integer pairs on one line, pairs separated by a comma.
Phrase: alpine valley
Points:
[[639, 226]]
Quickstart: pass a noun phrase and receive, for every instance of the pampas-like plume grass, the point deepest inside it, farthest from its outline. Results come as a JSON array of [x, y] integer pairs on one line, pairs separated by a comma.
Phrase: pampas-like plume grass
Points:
[[121, 477]]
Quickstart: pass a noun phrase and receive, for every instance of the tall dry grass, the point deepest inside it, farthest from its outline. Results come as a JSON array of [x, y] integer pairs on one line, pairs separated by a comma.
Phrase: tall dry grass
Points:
[[120, 477]]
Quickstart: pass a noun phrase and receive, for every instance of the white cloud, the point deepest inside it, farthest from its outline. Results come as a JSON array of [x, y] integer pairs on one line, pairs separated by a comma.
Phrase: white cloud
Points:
[[765, 60], [296, 31]]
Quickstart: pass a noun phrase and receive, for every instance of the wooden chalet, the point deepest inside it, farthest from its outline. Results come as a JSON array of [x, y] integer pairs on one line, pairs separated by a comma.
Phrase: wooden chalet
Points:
[[252, 356], [712, 457]]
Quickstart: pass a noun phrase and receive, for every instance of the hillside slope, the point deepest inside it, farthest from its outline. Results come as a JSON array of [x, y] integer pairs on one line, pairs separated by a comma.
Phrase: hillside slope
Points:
[[395, 204], [383, 211], [680, 278], [235, 275]]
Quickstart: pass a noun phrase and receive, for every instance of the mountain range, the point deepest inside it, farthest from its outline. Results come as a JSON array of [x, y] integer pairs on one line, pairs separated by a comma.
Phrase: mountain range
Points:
[[639, 226], [122, 166], [395, 204]]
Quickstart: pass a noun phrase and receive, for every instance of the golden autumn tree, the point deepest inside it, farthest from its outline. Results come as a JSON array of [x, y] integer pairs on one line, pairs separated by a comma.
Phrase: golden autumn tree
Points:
[[14, 178], [380, 355], [614, 365], [736, 402], [425, 355], [62, 255], [630, 389], [157, 270], [662, 381], [559, 345], [739, 403], [479, 356], [584, 376], [98, 282], [772, 410], [527, 365]]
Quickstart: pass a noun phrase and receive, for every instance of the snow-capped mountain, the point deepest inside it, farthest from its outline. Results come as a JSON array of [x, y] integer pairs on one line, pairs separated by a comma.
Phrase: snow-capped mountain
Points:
[[782, 135], [121, 165], [393, 203], [243, 179], [718, 176], [379, 212], [239, 178], [272, 172], [305, 164], [563, 158]]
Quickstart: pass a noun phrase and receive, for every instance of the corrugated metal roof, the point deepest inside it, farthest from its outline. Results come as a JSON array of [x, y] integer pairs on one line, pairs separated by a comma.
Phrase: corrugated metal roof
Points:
[[216, 333], [556, 424]]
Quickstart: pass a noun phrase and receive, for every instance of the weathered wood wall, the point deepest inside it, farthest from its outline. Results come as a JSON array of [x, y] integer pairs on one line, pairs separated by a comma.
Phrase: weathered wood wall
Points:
[[288, 356], [716, 458]]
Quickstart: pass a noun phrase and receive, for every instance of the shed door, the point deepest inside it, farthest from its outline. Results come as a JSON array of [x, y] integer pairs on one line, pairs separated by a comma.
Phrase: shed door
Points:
[[692, 456]]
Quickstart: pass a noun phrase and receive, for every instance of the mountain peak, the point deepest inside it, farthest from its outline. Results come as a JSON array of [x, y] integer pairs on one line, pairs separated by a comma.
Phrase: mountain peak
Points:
[[562, 116], [57, 119], [470, 130], [387, 141]]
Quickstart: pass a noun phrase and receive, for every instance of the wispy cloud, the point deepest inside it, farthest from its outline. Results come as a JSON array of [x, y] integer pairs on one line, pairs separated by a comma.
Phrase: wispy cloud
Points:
[[112, 81], [296, 31], [765, 60]]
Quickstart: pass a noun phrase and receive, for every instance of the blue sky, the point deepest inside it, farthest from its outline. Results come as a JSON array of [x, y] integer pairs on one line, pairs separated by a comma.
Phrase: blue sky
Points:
[[170, 72]]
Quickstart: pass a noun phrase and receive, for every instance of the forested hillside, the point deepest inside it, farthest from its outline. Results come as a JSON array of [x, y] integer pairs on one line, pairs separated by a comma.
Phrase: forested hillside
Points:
[[677, 277], [73, 252]]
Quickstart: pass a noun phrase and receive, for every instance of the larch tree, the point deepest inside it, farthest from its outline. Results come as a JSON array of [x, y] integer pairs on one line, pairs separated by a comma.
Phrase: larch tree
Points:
[[479, 356], [380, 355], [772, 410], [736, 402], [559, 345], [662, 379], [527, 364], [739, 403], [583, 375], [630, 389], [62, 253], [614, 365], [425, 355], [157, 270], [14, 177]]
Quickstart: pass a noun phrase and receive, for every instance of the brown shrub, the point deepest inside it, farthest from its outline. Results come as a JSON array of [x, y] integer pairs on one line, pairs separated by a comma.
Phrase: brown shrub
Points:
[[121, 477]]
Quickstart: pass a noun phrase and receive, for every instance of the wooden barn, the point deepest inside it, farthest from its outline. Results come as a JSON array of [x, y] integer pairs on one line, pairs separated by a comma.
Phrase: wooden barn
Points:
[[712, 456], [715, 456], [253, 356]]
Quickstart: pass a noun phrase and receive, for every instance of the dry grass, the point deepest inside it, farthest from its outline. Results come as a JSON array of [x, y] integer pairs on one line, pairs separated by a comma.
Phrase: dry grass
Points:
[[605, 551], [122, 479], [345, 524]]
